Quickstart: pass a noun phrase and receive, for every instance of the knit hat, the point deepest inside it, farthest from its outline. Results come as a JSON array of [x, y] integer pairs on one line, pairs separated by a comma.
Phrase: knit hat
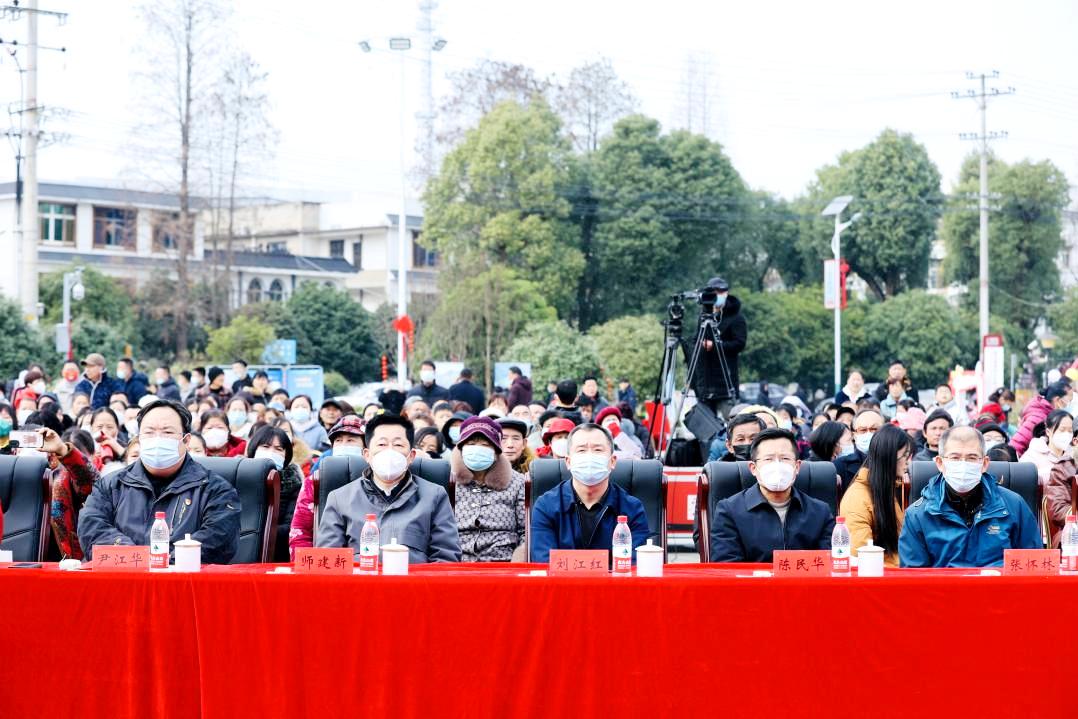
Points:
[[912, 418], [348, 424], [483, 426]]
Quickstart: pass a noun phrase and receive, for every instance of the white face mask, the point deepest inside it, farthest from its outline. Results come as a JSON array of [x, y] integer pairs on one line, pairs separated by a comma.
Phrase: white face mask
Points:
[[215, 438], [348, 450], [1061, 441], [560, 447], [39, 387], [775, 476], [389, 465], [427, 376], [863, 440], [962, 477], [23, 414], [272, 455], [590, 469]]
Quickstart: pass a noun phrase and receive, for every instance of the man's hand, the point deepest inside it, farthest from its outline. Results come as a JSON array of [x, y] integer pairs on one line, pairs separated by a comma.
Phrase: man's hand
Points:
[[51, 443]]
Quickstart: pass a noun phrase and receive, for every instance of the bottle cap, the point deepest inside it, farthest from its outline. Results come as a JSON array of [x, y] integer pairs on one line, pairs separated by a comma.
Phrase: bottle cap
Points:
[[371, 517], [159, 515], [840, 520], [623, 518]]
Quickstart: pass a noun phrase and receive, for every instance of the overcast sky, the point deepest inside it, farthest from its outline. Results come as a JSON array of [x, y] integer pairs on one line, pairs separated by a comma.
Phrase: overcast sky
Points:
[[795, 83]]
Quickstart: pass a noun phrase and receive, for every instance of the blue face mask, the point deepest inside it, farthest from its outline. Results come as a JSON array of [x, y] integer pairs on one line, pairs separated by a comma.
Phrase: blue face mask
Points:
[[348, 450], [589, 469], [477, 457], [454, 433], [159, 452], [279, 406], [300, 414], [237, 418], [5, 427], [720, 300]]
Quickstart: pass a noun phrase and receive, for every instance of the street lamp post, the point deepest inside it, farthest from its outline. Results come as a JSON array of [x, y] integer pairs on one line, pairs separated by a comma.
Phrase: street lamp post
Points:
[[402, 45], [835, 208], [73, 289]]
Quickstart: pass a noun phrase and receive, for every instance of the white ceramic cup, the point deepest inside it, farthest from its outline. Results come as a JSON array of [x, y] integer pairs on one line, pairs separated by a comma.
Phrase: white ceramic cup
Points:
[[649, 560], [394, 558], [6, 555], [870, 560], [188, 555]]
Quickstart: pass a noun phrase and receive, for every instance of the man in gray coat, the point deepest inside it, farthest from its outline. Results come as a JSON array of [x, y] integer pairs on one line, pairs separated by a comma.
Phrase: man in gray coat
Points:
[[414, 511], [121, 507]]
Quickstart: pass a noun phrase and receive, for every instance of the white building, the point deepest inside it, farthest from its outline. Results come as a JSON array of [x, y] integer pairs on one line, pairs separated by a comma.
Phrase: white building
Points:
[[337, 232], [1068, 258], [126, 234]]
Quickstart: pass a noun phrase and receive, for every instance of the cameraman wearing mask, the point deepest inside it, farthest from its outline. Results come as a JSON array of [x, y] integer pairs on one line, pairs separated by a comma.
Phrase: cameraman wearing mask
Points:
[[715, 380]]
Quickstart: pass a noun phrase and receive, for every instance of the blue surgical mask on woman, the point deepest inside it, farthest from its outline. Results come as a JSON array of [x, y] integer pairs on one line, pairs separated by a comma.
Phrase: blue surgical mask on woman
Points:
[[300, 414], [237, 418], [477, 457]]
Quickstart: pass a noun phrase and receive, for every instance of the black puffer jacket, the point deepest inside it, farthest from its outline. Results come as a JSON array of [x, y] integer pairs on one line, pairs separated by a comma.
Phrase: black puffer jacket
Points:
[[716, 377], [291, 483]]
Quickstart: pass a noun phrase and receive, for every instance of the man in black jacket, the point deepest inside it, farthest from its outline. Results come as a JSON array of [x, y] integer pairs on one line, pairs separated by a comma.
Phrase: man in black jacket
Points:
[[466, 391], [715, 380]]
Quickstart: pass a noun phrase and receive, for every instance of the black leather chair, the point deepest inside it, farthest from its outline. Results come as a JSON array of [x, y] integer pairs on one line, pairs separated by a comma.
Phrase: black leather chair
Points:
[[642, 478], [1019, 477], [259, 485], [25, 497], [720, 480], [335, 472]]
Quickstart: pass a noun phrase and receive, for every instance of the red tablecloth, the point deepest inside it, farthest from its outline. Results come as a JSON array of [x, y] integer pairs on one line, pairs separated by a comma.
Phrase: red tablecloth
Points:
[[485, 642]]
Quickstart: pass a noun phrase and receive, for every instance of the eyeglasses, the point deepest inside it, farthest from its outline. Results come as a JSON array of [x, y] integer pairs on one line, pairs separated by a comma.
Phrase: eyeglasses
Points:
[[160, 433], [963, 458], [866, 430]]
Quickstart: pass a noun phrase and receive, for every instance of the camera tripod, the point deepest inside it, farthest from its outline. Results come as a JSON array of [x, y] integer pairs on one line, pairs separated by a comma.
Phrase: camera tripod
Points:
[[707, 330]]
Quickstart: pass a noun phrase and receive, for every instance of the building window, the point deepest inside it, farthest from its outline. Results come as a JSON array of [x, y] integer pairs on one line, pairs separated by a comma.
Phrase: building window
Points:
[[336, 248], [357, 253], [421, 256], [276, 291], [254, 291], [115, 228], [166, 231], [57, 222]]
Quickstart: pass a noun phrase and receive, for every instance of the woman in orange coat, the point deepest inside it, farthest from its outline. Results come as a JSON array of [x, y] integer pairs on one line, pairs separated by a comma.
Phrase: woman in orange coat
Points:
[[871, 505]]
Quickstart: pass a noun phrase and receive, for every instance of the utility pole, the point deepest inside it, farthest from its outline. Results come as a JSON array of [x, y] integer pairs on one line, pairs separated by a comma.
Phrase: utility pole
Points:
[[981, 98], [30, 113]]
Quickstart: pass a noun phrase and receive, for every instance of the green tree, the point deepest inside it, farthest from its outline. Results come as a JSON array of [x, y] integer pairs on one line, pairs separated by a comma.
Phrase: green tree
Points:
[[662, 202], [277, 315], [555, 351], [632, 347], [91, 335], [896, 188], [22, 344], [500, 200], [1063, 318], [478, 318], [340, 333], [335, 384], [105, 299], [770, 243], [155, 320], [242, 337], [924, 331], [1025, 234]]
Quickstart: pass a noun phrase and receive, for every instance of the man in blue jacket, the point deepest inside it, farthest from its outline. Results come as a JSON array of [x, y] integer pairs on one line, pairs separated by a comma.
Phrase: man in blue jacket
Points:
[[121, 507], [771, 514], [96, 383], [135, 384], [581, 513], [964, 518]]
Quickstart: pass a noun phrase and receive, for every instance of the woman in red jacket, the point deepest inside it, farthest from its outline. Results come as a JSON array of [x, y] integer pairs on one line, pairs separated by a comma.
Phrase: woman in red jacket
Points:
[[219, 441]]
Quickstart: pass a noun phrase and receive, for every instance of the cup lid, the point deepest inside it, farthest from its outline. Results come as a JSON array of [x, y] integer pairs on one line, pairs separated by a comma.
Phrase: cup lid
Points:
[[394, 547], [187, 542], [649, 548], [870, 548]]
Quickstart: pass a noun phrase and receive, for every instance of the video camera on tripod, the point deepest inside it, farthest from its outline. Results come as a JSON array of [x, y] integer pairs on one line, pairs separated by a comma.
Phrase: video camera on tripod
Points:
[[705, 422]]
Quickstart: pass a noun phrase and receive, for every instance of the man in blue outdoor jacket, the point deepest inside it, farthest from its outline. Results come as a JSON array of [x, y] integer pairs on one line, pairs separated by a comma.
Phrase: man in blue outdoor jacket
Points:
[[963, 517], [121, 507], [771, 514], [581, 513]]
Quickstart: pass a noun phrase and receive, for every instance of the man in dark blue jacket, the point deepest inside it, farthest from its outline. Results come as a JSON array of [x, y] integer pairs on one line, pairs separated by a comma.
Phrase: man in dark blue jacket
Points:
[[134, 384], [772, 514], [581, 513], [466, 391], [96, 383], [121, 507], [963, 517]]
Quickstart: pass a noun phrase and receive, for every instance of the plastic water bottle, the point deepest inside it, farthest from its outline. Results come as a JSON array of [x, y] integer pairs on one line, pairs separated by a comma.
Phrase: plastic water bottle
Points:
[[159, 536], [368, 546], [840, 549], [623, 547], [1069, 541]]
